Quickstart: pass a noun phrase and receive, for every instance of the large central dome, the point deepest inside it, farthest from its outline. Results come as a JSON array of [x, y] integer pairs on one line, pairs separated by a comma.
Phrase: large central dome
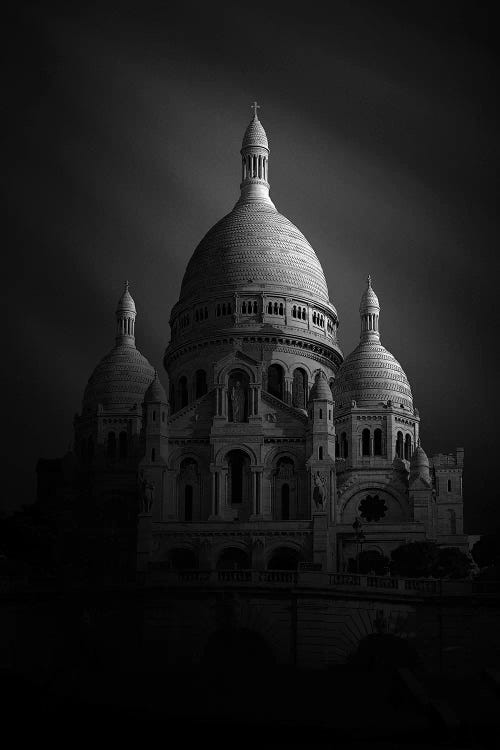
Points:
[[255, 247], [254, 244]]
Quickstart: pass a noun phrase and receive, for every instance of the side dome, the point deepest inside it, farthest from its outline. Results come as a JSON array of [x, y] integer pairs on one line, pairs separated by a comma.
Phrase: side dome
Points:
[[121, 378], [254, 245], [370, 374]]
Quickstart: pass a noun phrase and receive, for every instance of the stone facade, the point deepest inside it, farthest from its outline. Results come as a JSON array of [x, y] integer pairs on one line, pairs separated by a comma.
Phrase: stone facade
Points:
[[270, 445]]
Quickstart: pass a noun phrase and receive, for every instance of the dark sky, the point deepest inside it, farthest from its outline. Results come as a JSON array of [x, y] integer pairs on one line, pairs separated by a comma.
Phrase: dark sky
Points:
[[125, 126]]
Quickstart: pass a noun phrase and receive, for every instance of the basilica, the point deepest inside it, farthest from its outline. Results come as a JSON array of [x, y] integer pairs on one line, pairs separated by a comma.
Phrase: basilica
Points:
[[269, 449]]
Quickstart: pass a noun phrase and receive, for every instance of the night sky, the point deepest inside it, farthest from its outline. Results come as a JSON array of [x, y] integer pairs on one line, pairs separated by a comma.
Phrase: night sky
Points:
[[124, 130]]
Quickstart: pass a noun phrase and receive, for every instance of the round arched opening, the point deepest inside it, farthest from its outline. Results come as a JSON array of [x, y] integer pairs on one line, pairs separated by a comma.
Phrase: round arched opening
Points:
[[233, 558], [284, 558], [238, 477], [183, 559]]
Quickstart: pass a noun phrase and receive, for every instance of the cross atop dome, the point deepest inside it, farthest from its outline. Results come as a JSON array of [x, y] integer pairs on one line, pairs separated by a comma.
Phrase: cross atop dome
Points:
[[255, 107]]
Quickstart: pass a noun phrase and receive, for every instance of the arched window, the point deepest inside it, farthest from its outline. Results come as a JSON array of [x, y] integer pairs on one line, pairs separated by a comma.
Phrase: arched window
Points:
[[314, 317], [154, 416], [123, 445], [303, 313], [111, 447], [275, 308], [244, 308], [449, 485], [275, 381], [183, 392], [223, 308], [163, 416], [255, 309], [270, 308], [281, 308], [365, 442], [344, 446], [285, 502], [321, 413], [200, 381], [299, 388], [206, 313], [218, 311], [294, 311], [337, 447], [320, 453], [153, 455], [236, 462], [377, 442], [399, 445], [407, 447], [188, 502]]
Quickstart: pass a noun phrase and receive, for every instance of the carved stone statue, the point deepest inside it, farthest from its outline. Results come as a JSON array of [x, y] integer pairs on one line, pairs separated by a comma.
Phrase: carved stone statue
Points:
[[147, 494], [237, 396], [319, 491]]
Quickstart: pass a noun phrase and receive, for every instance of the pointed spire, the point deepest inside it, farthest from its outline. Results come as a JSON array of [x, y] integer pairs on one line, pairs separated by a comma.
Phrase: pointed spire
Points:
[[369, 310], [125, 319], [255, 162]]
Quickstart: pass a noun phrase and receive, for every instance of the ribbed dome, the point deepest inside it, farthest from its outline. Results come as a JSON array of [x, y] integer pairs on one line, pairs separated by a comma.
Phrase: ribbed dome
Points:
[[126, 303], [370, 374], [255, 135], [255, 244], [369, 299], [155, 391], [119, 380], [320, 389]]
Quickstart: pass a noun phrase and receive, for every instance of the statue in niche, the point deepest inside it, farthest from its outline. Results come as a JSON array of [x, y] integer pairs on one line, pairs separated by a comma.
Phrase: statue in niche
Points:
[[237, 396], [147, 490], [319, 491]]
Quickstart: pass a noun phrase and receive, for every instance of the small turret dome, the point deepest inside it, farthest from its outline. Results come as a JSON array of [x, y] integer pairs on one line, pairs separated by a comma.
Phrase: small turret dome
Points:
[[255, 135], [419, 458], [321, 389], [369, 300], [155, 392], [126, 303]]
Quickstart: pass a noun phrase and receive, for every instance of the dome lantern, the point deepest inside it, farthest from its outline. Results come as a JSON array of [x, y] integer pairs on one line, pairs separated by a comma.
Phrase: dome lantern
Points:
[[125, 319], [255, 162], [369, 310]]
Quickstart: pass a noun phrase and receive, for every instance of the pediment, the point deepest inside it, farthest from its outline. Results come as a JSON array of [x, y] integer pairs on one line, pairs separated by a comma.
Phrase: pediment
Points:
[[276, 411]]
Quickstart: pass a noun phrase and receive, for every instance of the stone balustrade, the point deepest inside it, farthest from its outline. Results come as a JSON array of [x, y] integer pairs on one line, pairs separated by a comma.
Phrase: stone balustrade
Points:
[[158, 574]]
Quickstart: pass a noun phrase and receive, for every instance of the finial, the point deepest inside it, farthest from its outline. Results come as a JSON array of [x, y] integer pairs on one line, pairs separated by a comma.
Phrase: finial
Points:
[[369, 280], [255, 107], [126, 286]]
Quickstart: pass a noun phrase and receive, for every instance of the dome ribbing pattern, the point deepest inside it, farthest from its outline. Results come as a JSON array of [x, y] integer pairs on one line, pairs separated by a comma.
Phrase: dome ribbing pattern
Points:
[[255, 242], [122, 376], [370, 374]]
